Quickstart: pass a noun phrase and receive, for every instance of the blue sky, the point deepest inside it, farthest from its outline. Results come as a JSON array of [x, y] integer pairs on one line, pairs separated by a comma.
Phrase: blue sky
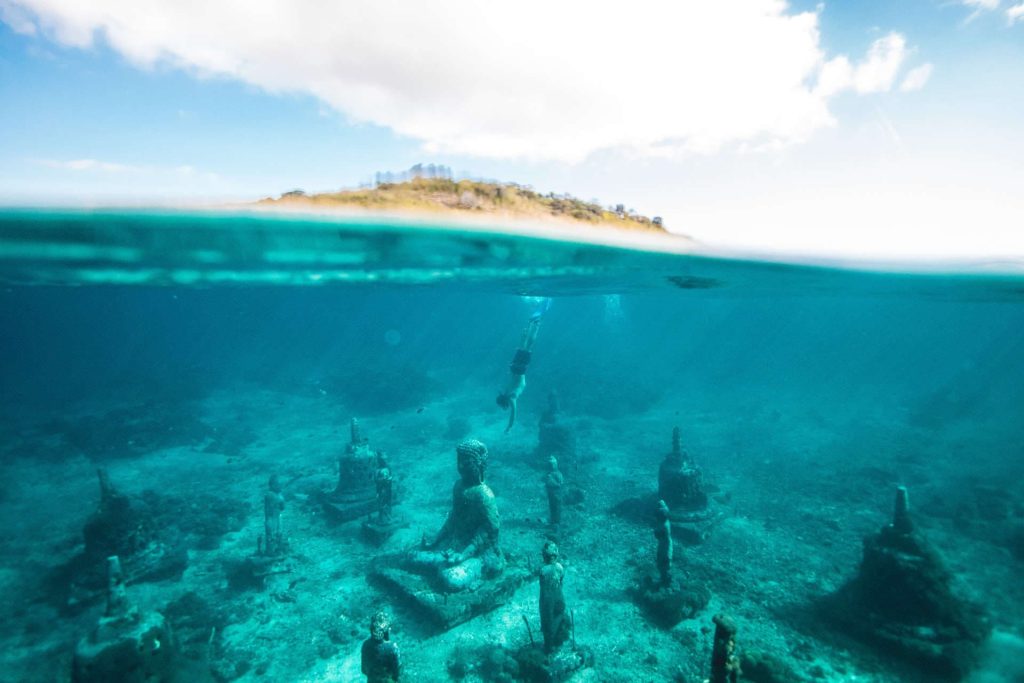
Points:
[[756, 123]]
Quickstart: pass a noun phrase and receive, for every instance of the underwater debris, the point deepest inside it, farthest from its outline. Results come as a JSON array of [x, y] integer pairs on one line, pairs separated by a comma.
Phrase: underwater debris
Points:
[[555, 437], [355, 494], [902, 601], [665, 599], [380, 660], [462, 572], [126, 645]]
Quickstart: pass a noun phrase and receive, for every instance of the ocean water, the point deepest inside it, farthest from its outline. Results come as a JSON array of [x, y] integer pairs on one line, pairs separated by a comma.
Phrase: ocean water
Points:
[[191, 356]]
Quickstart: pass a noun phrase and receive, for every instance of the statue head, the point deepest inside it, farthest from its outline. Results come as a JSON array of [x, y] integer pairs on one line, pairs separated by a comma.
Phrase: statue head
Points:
[[549, 552], [472, 460], [553, 463], [380, 626], [275, 483], [382, 460]]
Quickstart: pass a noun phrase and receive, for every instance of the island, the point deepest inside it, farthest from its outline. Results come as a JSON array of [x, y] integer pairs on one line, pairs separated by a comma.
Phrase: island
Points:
[[420, 192]]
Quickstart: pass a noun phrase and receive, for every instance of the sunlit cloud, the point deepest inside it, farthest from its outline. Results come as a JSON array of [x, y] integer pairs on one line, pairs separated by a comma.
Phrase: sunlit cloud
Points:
[[916, 78], [1015, 13], [543, 81]]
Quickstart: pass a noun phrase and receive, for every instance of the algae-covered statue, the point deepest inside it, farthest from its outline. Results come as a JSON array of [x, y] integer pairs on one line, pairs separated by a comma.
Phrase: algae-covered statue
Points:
[[127, 644], [461, 571], [355, 494], [725, 665], [903, 601], [379, 527], [273, 506], [466, 547], [665, 599], [681, 486], [553, 483], [554, 622], [663, 535], [380, 661]]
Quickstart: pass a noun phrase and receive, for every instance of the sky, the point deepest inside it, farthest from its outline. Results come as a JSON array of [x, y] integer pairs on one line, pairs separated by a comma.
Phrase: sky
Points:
[[863, 129]]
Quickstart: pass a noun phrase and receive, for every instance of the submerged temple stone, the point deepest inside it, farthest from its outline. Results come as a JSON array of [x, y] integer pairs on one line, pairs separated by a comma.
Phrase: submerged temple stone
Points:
[[681, 486], [462, 571], [355, 494], [725, 665], [555, 437], [127, 645], [902, 600]]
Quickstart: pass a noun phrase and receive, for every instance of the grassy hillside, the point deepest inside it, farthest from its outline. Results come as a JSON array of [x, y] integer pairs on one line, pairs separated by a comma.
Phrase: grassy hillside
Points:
[[469, 197]]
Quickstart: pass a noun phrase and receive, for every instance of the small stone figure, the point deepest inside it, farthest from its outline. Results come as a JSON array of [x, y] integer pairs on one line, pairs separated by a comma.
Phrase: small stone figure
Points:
[[725, 665], [273, 505], [902, 600], [553, 486], [379, 657], [385, 488], [554, 435], [126, 645], [554, 622], [355, 494], [379, 528], [466, 547], [663, 534], [665, 600]]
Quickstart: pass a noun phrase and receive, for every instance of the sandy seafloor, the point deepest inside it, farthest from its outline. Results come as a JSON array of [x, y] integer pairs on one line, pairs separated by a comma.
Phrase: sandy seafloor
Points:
[[785, 406]]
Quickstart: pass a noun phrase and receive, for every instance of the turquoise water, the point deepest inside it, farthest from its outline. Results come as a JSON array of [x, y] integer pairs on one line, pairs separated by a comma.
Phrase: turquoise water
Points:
[[194, 355]]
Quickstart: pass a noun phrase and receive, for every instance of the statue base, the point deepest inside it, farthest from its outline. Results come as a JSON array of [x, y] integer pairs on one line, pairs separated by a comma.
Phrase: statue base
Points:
[[445, 610], [561, 665], [667, 605], [377, 531], [340, 509], [139, 648]]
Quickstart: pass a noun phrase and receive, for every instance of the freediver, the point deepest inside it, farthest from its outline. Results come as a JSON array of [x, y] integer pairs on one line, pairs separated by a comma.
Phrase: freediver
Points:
[[509, 397]]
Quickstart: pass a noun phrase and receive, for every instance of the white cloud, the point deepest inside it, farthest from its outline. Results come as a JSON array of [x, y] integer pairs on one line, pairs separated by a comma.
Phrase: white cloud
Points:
[[1015, 13], [981, 4], [97, 166], [533, 80], [86, 165], [916, 78]]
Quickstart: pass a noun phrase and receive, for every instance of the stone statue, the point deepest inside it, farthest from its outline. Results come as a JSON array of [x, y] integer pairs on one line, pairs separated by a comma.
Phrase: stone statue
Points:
[[273, 506], [460, 573], [725, 665], [385, 488], [466, 548], [663, 534], [127, 644], [554, 622], [681, 486], [902, 600], [379, 657], [553, 486], [554, 435], [355, 494]]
